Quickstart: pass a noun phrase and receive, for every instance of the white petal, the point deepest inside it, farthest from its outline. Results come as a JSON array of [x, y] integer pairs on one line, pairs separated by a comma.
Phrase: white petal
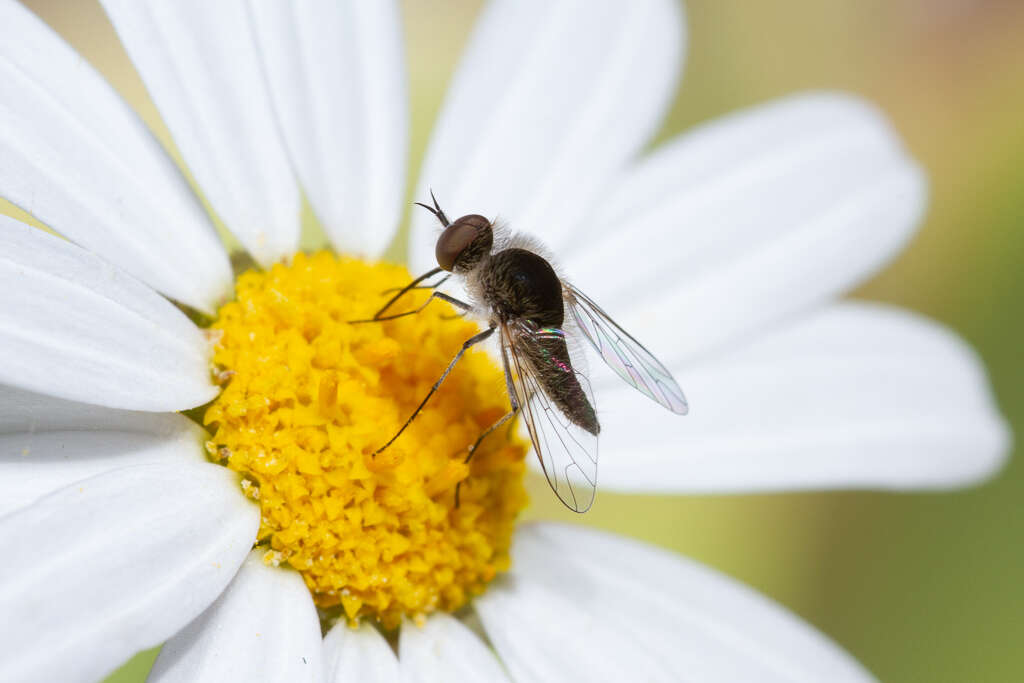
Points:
[[263, 628], [198, 60], [114, 564], [33, 463], [857, 395], [584, 605], [77, 157], [444, 649], [550, 100], [748, 219], [24, 411], [75, 327], [358, 654], [337, 79]]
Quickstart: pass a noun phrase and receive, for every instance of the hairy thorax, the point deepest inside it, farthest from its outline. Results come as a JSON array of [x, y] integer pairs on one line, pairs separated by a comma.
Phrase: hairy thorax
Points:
[[517, 283]]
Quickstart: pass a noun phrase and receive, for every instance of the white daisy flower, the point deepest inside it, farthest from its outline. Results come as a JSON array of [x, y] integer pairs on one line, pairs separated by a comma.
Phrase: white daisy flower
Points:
[[725, 250]]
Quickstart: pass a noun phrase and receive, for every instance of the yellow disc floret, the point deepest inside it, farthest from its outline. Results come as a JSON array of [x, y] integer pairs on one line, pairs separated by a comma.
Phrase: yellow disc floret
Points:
[[310, 397]]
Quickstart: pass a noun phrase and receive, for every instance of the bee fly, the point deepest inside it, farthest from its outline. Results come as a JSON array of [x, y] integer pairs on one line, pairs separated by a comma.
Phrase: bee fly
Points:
[[518, 293]]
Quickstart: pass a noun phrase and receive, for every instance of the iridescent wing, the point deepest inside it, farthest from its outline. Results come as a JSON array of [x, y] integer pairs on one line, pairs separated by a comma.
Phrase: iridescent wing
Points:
[[624, 354], [567, 452]]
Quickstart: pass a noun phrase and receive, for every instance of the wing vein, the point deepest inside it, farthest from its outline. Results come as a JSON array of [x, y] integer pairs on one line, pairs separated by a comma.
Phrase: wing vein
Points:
[[566, 451]]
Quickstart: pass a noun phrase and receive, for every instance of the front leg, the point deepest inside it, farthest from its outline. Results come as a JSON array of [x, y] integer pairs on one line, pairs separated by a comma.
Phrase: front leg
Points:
[[412, 285], [378, 318]]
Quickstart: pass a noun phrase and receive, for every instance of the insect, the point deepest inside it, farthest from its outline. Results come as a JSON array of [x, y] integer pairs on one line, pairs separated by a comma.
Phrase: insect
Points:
[[536, 314]]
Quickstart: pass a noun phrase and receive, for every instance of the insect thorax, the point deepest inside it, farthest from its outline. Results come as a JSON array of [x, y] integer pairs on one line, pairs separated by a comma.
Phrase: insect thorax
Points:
[[517, 283]]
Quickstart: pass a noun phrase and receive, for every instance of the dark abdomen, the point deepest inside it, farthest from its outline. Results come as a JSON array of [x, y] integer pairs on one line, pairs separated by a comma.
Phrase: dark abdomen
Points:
[[560, 382]]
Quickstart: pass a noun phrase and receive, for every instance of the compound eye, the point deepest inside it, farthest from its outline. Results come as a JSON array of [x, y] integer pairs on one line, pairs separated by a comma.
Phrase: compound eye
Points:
[[456, 237]]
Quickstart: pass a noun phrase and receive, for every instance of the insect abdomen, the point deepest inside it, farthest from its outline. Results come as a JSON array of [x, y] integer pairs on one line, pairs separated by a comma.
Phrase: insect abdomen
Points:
[[555, 371]]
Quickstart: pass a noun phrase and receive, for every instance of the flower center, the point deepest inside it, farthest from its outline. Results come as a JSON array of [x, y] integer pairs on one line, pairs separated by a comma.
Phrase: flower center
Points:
[[310, 398]]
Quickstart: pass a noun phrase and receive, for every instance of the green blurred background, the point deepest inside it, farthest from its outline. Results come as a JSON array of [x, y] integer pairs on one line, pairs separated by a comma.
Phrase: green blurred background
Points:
[[919, 587]]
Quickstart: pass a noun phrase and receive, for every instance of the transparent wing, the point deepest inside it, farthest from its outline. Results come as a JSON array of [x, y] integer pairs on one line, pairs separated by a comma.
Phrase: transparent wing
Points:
[[624, 354], [567, 452]]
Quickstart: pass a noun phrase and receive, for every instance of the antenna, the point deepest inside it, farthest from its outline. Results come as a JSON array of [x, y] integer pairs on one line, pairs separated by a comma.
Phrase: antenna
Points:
[[436, 210]]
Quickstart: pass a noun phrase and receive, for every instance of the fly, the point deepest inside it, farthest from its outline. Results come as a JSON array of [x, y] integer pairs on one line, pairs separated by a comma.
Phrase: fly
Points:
[[536, 314]]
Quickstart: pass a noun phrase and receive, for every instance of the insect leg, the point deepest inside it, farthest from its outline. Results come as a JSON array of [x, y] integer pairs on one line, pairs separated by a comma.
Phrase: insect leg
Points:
[[502, 420], [475, 339], [476, 444], [411, 285], [510, 388], [434, 295], [455, 316]]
